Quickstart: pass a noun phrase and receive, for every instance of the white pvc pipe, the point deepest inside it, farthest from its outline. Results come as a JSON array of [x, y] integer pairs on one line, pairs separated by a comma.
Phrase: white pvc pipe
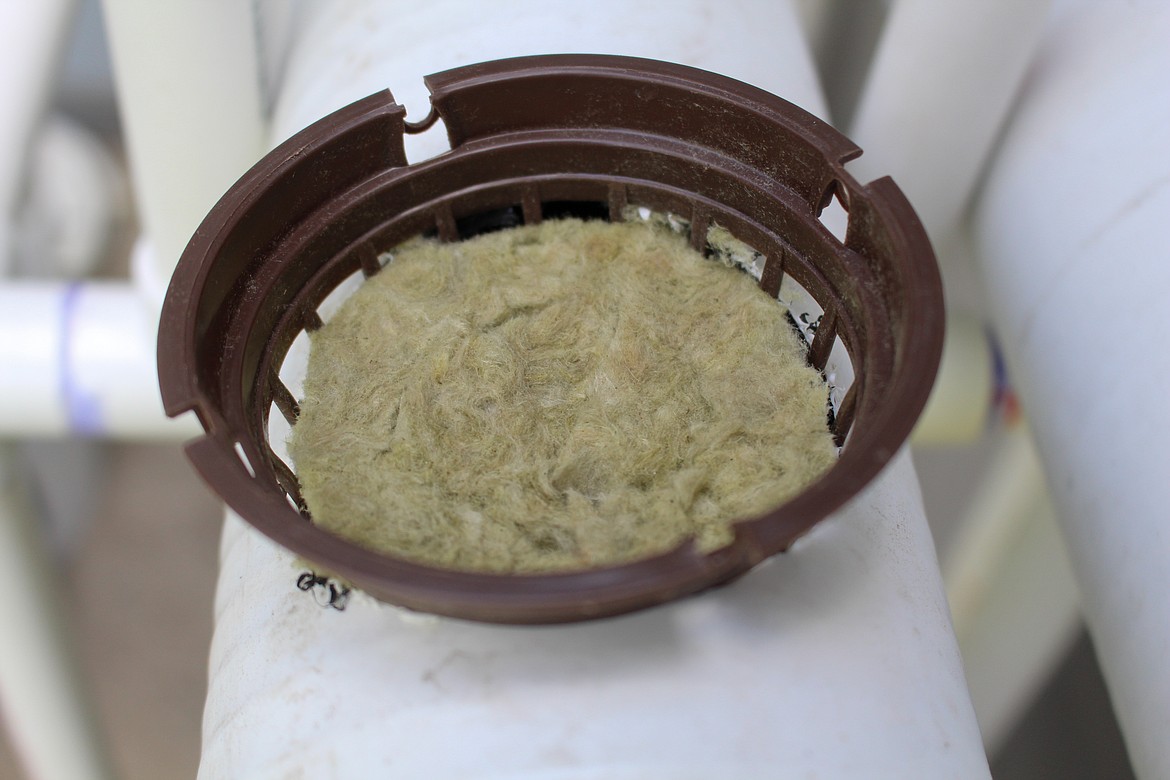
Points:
[[1013, 599], [843, 35], [814, 17], [79, 358], [31, 37], [188, 80], [941, 83], [1072, 225], [74, 198], [964, 395], [836, 660], [350, 50], [40, 693]]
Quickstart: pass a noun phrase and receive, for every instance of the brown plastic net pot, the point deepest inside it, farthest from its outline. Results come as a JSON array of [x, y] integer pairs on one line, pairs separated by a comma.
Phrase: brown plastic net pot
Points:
[[534, 137]]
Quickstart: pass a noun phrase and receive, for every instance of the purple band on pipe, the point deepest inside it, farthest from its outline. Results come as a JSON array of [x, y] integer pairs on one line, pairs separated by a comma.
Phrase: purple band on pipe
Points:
[[82, 408], [1005, 405], [999, 376]]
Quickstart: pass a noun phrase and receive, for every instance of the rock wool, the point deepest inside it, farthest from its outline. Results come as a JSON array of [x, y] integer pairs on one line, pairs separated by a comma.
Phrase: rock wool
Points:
[[553, 398]]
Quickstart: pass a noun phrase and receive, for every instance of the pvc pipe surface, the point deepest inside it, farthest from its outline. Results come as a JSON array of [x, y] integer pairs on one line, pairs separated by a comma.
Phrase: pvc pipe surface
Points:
[[74, 198], [1013, 599], [960, 405], [941, 83], [79, 358], [188, 80], [44, 707], [31, 37], [354, 49], [1071, 225], [835, 660]]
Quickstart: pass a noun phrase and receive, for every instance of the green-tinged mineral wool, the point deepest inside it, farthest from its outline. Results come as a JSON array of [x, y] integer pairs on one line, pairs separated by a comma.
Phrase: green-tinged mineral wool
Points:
[[555, 397]]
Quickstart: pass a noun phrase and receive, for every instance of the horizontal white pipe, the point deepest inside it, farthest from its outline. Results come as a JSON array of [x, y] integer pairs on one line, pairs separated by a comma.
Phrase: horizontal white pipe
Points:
[[44, 707], [79, 358], [1072, 226], [188, 81], [350, 50], [942, 80], [835, 660], [31, 37]]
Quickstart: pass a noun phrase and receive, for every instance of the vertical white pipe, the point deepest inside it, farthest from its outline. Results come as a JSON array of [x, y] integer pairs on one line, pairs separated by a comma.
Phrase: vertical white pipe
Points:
[[1072, 228], [1012, 595], [940, 85], [963, 397], [31, 36], [843, 35], [75, 199], [39, 686], [188, 80]]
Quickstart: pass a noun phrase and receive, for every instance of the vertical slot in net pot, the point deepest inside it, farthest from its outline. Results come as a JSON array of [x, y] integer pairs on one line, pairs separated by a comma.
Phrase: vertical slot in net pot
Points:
[[742, 172]]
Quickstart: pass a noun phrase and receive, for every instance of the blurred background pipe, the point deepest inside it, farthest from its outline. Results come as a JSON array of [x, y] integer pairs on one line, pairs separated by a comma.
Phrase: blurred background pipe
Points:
[[1071, 231], [79, 360], [41, 695], [1013, 600], [189, 91], [941, 82], [31, 35], [968, 391]]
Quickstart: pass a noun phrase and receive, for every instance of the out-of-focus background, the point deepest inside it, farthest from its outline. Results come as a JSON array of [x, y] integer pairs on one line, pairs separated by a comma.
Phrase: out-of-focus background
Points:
[[131, 534]]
